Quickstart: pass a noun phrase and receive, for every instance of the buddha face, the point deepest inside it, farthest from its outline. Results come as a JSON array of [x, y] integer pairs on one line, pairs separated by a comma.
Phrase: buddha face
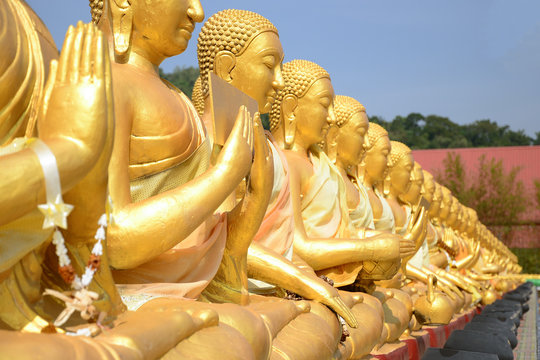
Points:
[[416, 188], [428, 189], [163, 28], [376, 158], [453, 215], [400, 174], [314, 111], [351, 139], [436, 201], [257, 71], [446, 204]]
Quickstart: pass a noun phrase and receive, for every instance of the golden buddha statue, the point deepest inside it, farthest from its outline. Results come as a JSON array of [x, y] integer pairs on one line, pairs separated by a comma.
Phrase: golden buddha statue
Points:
[[77, 156], [373, 172], [276, 233], [159, 179], [297, 119], [79, 90]]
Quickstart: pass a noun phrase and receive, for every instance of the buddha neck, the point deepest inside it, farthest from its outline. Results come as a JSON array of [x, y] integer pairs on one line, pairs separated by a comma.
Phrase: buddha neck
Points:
[[142, 63], [138, 57], [299, 146], [370, 182]]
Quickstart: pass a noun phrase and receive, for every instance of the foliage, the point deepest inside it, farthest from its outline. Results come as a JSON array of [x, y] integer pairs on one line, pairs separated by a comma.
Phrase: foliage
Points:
[[496, 194], [537, 191], [537, 140], [182, 77], [529, 259], [437, 132]]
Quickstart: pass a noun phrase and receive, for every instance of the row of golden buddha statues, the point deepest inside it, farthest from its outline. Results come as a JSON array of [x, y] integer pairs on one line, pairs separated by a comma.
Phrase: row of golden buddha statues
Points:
[[126, 231]]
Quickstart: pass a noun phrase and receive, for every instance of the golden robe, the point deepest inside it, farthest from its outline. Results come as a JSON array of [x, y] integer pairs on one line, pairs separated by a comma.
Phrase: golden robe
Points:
[[326, 215], [277, 228], [186, 269]]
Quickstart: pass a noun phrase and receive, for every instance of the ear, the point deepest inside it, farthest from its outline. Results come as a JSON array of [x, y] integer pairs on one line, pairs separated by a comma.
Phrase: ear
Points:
[[289, 105], [122, 25], [288, 108], [224, 64]]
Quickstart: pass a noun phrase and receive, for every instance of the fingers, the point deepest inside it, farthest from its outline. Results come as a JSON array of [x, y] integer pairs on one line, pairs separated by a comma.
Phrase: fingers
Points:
[[101, 57], [74, 62], [87, 60], [64, 55], [337, 304], [53, 70]]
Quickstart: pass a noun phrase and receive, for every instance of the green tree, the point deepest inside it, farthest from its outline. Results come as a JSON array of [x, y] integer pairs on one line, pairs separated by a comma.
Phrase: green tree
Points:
[[537, 192], [496, 194], [484, 133], [436, 132], [182, 77], [537, 140]]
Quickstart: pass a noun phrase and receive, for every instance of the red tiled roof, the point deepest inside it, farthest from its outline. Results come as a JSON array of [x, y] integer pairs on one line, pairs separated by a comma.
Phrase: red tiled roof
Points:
[[526, 157]]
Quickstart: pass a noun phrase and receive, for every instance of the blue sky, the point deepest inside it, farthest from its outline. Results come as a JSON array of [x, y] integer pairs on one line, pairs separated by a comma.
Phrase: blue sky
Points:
[[467, 60]]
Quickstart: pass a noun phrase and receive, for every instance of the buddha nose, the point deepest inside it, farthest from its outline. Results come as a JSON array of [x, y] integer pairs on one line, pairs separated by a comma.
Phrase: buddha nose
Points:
[[278, 83], [331, 114], [195, 11], [367, 144]]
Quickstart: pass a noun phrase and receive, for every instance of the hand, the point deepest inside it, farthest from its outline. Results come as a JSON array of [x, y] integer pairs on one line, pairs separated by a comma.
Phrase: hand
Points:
[[75, 104], [262, 170], [418, 229], [236, 156], [388, 247], [329, 296]]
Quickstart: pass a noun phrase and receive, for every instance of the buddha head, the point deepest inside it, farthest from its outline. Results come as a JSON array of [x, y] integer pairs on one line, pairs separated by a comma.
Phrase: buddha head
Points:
[[400, 168], [428, 186], [353, 123], [453, 215], [154, 29], [242, 48], [377, 154], [416, 190], [197, 97], [446, 203], [436, 201], [472, 224], [304, 107]]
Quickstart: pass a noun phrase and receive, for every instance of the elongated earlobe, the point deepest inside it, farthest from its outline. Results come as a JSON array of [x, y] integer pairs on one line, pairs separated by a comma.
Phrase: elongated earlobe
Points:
[[122, 26], [288, 107]]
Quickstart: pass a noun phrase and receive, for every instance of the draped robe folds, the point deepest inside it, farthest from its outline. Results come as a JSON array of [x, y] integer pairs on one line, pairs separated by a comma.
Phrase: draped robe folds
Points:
[[362, 216], [326, 215], [277, 228], [186, 269]]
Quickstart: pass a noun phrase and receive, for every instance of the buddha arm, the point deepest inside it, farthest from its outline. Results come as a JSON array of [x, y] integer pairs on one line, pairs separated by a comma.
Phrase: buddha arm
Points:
[[266, 265], [74, 161], [316, 251], [144, 230], [246, 218], [75, 96]]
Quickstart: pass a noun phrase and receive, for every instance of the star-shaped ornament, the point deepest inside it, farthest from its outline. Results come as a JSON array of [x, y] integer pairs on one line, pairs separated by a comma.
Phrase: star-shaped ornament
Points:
[[55, 213]]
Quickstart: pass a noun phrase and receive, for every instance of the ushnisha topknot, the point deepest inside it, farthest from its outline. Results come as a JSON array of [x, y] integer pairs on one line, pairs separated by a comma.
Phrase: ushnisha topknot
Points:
[[345, 107], [197, 97], [398, 150], [96, 9], [298, 76], [228, 30], [375, 132]]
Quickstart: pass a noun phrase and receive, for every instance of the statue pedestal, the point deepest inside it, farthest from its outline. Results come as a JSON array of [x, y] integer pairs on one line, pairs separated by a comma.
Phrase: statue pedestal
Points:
[[392, 351]]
